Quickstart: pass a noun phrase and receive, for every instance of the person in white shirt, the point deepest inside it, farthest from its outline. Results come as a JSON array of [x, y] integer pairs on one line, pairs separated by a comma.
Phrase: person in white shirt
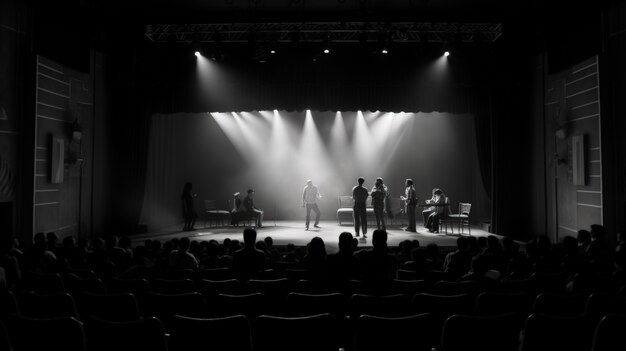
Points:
[[310, 194]]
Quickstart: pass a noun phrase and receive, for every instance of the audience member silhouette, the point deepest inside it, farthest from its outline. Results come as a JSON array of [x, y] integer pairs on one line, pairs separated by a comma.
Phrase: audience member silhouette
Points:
[[432, 261], [458, 263], [379, 267], [343, 266], [584, 239], [182, 258], [248, 261], [315, 259], [9, 261], [599, 251]]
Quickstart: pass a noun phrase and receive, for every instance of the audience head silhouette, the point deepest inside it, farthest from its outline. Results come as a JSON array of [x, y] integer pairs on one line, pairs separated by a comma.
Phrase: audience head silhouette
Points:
[[345, 242], [379, 239], [361, 180], [183, 244], [249, 237]]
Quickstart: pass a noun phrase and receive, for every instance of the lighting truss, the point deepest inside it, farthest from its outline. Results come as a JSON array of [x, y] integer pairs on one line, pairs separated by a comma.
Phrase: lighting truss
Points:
[[324, 32]]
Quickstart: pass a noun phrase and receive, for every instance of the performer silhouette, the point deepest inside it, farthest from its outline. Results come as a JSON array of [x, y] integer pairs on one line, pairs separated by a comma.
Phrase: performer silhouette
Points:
[[410, 200], [380, 196], [310, 194], [359, 196]]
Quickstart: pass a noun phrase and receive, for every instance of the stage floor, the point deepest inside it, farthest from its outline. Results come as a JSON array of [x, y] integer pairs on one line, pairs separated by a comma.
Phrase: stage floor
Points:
[[285, 232]]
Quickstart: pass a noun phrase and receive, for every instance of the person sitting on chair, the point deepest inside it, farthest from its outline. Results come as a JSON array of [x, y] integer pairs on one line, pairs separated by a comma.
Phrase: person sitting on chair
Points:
[[433, 213], [237, 212], [251, 210]]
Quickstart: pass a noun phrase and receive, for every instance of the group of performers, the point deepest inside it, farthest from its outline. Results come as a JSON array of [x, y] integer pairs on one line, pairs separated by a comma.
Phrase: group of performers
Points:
[[245, 208], [380, 203]]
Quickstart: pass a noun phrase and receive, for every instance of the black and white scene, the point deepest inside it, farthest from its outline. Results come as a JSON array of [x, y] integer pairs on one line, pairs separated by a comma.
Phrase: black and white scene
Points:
[[328, 175]]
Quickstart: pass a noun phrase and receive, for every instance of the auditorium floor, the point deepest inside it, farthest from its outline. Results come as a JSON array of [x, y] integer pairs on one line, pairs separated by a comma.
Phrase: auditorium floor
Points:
[[285, 232]]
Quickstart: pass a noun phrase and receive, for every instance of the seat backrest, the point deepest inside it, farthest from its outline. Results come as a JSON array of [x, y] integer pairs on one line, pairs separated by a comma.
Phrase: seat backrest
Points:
[[609, 334], [272, 288], [165, 305], [75, 284], [214, 287], [415, 332], [485, 333], [492, 303], [600, 304], [560, 305], [309, 304], [465, 208], [63, 333], [345, 201], [143, 334], [231, 333], [209, 205], [42, 283], [114, 307], [46, 306], [311, 333], [249, 305], [384, 306], [178, 286], [223, 273], [134, 286], [547, 333]]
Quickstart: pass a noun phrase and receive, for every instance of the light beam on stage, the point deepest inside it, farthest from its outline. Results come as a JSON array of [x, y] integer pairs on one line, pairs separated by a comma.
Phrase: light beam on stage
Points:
[[313, 159], [365, 152], [232, 131]]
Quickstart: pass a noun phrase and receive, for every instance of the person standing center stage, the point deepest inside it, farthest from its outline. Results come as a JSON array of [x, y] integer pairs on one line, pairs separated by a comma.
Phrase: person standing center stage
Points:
[[310, 194], [359, 196]]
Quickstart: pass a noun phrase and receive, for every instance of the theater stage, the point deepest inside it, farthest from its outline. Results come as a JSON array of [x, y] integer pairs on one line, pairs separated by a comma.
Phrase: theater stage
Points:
[[285, 232]]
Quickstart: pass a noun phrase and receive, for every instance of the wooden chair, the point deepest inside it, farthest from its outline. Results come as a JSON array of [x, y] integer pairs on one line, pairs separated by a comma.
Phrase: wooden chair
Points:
[[462, 218], [445, 218], [211, 212]]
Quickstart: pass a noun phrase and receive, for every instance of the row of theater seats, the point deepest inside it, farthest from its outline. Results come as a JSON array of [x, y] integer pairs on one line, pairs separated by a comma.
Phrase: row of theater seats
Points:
[[128, 306], [222, 281], [322, 332]]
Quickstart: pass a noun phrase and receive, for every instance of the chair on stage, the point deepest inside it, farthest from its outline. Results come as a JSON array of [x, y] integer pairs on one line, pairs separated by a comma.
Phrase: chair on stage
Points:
[[345, 211], [396, 206], [211, 212], [445, 218], [462, 217]]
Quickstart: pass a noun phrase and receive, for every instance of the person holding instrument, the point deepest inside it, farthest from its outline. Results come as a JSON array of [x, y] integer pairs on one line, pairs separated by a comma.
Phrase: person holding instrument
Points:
[[380, 197], [432, 214], [410, 200]]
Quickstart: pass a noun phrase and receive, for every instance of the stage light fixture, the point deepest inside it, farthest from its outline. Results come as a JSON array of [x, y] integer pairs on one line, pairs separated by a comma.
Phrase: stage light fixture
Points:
[[197, 53], [384, 51], [446, 54], [272, 51], [326, 50]]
